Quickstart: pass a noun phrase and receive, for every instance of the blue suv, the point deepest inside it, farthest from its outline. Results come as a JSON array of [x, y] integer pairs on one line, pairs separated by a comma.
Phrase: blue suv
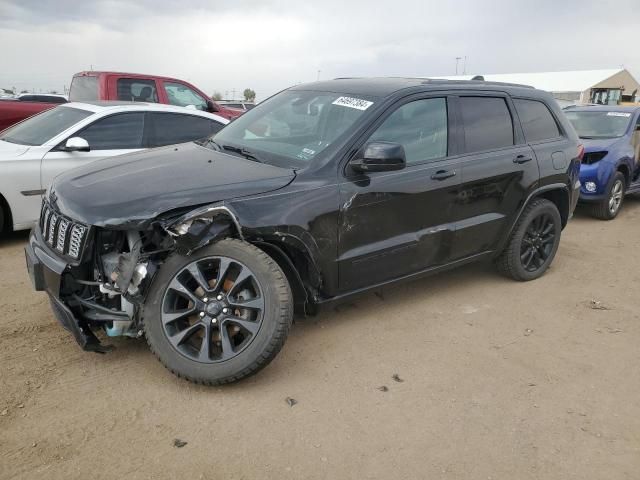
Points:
[[611, 164]]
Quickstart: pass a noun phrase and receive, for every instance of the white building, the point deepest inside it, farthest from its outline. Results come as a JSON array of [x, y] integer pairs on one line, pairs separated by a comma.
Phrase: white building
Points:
[[608, 87]]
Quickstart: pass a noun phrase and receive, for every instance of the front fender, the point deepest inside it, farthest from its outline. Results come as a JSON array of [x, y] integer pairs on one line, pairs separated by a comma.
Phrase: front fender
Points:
[[201, 226]]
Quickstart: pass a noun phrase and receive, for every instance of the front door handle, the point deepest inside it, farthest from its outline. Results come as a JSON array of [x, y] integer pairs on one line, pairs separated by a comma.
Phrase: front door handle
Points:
[[443, 175], [520, 159]]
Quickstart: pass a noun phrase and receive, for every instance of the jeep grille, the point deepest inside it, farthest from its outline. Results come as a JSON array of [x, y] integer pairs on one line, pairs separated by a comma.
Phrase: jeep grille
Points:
[[63, 234]]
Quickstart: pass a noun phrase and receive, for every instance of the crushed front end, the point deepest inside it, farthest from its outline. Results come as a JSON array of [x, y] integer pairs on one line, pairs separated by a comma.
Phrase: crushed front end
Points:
[[96, 278]]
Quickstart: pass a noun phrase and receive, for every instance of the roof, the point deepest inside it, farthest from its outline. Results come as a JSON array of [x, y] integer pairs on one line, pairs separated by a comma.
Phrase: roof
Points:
[[96, 73], [570, 81], [120, 106], [384, 86]]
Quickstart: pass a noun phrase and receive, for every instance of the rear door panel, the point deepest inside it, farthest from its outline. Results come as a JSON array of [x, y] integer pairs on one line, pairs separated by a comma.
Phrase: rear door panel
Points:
[[495, 183]]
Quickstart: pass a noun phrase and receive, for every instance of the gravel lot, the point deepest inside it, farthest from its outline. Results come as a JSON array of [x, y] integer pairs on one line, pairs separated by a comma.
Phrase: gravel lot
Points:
[[499, 380]]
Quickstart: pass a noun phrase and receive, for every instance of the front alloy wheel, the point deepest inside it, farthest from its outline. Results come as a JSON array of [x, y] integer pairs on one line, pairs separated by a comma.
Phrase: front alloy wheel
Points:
[[615, 199], [212, 309], [220, 314], [609, 207]]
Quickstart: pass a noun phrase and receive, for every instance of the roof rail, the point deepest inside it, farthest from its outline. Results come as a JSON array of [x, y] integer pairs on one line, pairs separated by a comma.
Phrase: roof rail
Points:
[[476, 82]]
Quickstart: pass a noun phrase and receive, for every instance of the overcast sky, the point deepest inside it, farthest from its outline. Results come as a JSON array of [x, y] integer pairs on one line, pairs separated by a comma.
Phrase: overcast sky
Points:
[[269, 45]]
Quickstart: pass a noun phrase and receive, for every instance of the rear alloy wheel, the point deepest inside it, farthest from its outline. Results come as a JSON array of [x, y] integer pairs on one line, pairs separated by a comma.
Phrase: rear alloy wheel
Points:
[[533, 243], [609, 208], [219, 315]]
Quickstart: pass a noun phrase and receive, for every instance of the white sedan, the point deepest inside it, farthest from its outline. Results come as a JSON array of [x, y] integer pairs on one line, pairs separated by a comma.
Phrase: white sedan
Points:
[[34, 151]]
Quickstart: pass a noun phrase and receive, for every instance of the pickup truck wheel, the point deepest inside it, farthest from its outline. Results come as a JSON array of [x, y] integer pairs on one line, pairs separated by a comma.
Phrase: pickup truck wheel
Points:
[[220, 314], [533, 243], [609, 208]]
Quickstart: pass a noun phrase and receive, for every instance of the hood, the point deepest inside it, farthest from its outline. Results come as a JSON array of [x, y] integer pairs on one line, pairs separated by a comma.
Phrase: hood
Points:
[[599, 144], [9, 151], [131, 189]]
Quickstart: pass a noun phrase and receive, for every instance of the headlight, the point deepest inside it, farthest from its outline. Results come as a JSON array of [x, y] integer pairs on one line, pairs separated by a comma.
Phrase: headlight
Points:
[[590, 187]]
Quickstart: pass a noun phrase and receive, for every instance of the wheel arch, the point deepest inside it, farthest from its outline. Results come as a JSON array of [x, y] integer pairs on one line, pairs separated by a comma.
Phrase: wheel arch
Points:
[[6, 218], [560, 198], [203, 227], [624, 169], [558, 194], [294, 264]]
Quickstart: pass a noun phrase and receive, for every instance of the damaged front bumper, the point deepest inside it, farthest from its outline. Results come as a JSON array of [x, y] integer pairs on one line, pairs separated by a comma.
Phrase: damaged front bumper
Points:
[[46, 271]]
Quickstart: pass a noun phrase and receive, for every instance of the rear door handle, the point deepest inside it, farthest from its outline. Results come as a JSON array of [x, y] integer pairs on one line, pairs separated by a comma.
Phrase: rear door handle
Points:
[[520, 159], [443, 175]]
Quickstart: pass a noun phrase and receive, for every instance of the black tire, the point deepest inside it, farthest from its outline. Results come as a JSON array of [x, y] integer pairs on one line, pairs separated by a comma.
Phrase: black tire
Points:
[[609, 208], [511, 262], [276, 315], [2, 219]]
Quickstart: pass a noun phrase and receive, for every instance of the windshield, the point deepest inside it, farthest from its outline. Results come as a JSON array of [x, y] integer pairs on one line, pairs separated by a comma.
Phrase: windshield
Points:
[[599, 124], [292, 128], [44, 126]]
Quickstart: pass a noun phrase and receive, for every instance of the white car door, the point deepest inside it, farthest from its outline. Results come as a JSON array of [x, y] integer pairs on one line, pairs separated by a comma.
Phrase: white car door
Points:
[[20, 181], [108, 136]]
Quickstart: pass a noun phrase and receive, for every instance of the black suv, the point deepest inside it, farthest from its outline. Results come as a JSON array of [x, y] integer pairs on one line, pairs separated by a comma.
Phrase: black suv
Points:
[[322, 191]]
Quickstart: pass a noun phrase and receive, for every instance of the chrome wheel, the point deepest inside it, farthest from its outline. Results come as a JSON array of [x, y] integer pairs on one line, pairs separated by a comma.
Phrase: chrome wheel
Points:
[[212, 309], [615, 199]]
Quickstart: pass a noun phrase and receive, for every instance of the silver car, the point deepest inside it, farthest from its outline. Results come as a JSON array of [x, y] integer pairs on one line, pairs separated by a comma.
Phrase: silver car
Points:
[[34, 151]]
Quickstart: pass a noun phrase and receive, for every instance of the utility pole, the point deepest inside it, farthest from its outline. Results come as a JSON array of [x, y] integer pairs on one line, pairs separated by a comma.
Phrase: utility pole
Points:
[[233, 94], [464, 66], [318, 77], [457, 61]]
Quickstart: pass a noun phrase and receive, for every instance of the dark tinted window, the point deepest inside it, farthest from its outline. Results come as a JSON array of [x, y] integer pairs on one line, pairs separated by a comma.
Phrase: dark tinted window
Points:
[[135, 90], [116, 132], [536, 119], [170, 128], [487, 123], [420, 127], [44, 126], [83, 89]]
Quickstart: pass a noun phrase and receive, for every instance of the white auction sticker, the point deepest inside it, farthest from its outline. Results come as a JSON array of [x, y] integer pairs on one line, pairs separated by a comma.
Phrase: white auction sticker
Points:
[[618, 114], [350, 102]]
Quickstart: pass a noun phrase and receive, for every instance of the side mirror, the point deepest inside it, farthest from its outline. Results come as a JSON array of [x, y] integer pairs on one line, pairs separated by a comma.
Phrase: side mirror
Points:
[[77, 144], [379, 157], [212, 107]]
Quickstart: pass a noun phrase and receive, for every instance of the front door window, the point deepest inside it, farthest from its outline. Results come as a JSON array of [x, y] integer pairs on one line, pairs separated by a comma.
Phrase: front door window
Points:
[[183, 96]]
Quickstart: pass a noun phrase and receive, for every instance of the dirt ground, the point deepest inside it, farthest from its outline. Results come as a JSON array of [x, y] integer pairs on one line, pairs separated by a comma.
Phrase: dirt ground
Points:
[[497, 380]]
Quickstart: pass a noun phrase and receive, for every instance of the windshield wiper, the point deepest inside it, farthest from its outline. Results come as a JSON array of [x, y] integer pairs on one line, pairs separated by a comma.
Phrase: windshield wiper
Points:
[[241, 151], [206, 141]]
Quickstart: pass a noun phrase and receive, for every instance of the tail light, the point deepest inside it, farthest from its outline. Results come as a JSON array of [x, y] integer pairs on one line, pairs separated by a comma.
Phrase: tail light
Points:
[[580, 152]]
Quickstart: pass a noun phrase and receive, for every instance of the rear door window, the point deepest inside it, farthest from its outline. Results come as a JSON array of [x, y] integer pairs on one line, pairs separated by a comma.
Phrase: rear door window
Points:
[[171, 128], [117, 132], [536, 119], [137, 90], [84, 89], [487, 123]]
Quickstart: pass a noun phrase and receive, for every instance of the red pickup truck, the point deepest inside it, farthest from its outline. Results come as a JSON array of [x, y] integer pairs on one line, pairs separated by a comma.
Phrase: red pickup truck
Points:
[[131, 87], [92, 86]]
